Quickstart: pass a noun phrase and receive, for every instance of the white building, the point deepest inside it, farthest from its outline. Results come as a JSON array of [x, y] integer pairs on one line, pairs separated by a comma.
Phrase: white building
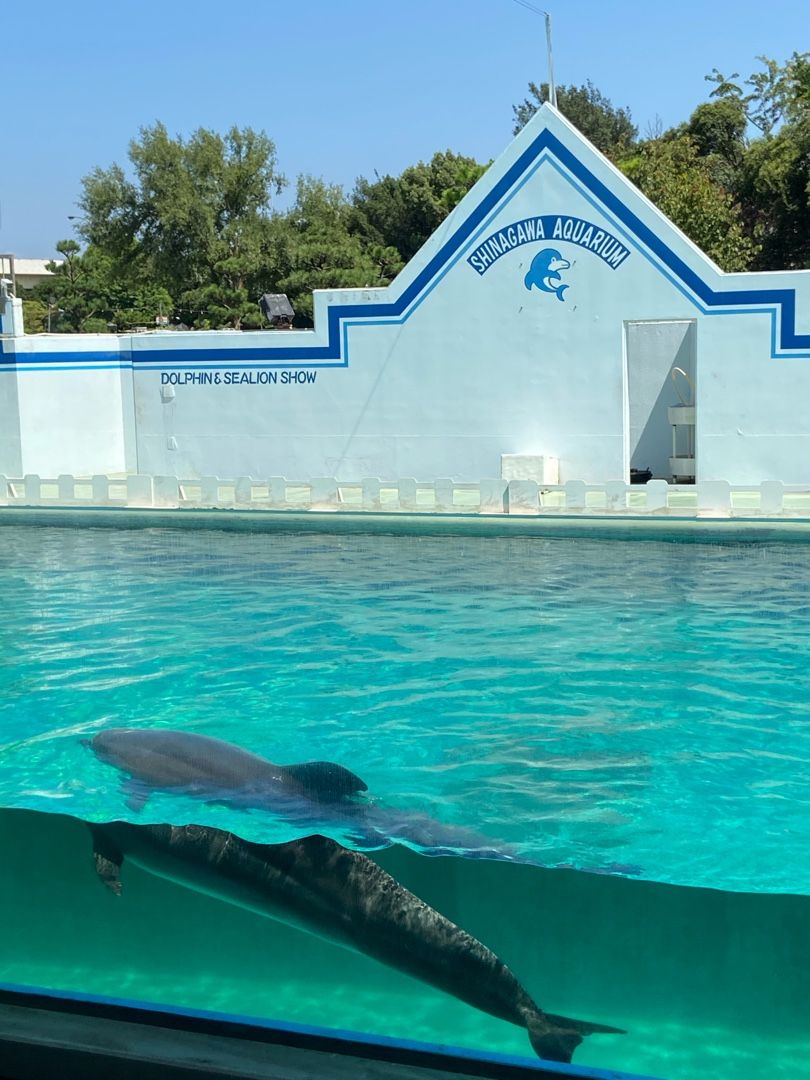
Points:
[[544, 318], [26, 273]]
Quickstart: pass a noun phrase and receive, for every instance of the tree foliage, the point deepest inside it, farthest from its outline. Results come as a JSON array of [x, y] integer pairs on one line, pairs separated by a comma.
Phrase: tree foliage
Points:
[[609, 128], [86, 295], [403, 211], [35, 315], [672, 173], [195, 217], [780, 91], [313, 248], [771, 176], [717, 128]]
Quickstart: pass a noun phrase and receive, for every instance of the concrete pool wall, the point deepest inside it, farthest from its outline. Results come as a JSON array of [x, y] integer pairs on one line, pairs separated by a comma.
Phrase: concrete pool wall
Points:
[[709, 511]]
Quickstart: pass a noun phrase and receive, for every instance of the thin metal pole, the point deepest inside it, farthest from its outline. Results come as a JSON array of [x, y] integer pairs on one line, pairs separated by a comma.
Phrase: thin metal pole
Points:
[[552, 89]]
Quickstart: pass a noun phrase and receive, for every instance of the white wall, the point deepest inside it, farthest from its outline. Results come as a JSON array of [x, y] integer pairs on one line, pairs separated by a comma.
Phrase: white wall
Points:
[[10, 443], [72, 425], [72, 395]]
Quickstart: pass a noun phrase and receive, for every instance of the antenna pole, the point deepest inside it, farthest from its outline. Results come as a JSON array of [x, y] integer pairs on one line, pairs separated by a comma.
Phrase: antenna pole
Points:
[[552, 89]]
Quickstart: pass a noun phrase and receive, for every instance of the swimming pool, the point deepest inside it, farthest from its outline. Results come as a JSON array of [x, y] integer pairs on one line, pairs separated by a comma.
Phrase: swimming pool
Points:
[[635, 709]]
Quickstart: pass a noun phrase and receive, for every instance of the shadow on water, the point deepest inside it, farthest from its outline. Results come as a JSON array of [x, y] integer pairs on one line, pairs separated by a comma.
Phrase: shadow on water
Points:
[[707, 983]]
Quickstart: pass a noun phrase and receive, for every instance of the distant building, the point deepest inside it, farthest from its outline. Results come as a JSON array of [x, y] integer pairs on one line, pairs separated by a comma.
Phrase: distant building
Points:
[[25, 273]]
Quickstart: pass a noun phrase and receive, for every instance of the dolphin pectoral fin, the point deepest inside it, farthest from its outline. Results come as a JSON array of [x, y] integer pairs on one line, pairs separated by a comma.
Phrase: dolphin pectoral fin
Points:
[[108, 860], [323, 780], [528, 280], [136, 794]]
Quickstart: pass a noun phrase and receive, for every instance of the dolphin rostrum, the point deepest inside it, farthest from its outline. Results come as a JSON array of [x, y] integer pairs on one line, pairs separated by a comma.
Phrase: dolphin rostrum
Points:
[[160, 759], [342, 896]]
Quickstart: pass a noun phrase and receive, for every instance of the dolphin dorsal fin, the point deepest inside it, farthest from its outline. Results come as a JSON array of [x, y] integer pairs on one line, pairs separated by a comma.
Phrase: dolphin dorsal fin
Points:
[[324, 780]]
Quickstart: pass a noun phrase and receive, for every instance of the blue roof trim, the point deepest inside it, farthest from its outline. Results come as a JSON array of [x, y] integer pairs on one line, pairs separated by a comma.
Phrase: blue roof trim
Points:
[[332, 355]]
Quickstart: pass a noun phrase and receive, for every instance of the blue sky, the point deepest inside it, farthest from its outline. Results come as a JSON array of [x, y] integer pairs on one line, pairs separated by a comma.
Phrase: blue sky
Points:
[[344, 89]]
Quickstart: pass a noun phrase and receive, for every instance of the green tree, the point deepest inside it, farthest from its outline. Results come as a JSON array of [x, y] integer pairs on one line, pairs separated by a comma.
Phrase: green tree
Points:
[[771, 177], [717, 132], [776, 92], [77, 295], [86, 295], [194, 219], [403, 211], [35, 315], [775, 187], [718, 128], [312, 247], [672, 173], [608, 127]]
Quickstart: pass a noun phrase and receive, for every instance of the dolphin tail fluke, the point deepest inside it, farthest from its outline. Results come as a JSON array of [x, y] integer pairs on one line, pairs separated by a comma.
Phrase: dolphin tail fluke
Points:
[[553, 1043], [555, 1038], [528, 280], [584, 1027], [561, 290]]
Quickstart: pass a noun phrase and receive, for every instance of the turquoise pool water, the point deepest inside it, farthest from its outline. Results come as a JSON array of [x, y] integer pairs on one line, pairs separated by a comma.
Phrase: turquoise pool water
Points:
[[636, 708], [600, 704]]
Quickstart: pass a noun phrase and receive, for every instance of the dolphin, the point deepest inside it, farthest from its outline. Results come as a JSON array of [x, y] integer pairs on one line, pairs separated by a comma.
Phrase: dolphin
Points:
[[315, 795], [544, 272], [339, 895], [160, 759]]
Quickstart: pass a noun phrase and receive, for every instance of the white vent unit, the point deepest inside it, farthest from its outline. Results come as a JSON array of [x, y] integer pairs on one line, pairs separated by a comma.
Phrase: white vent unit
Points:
[[540, 468]]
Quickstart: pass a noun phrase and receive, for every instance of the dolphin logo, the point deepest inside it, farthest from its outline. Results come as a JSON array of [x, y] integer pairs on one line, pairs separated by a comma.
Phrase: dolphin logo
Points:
[[544, 272]]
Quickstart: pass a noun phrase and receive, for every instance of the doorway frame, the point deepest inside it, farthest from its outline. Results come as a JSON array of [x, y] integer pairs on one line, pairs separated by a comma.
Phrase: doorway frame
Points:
[[626, 456]]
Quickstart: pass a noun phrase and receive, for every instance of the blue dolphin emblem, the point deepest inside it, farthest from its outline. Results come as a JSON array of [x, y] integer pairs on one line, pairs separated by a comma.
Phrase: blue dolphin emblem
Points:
[[545, 272]]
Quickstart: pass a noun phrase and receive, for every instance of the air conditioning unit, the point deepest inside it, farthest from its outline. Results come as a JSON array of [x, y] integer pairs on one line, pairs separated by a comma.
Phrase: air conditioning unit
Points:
[[540, 468]]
